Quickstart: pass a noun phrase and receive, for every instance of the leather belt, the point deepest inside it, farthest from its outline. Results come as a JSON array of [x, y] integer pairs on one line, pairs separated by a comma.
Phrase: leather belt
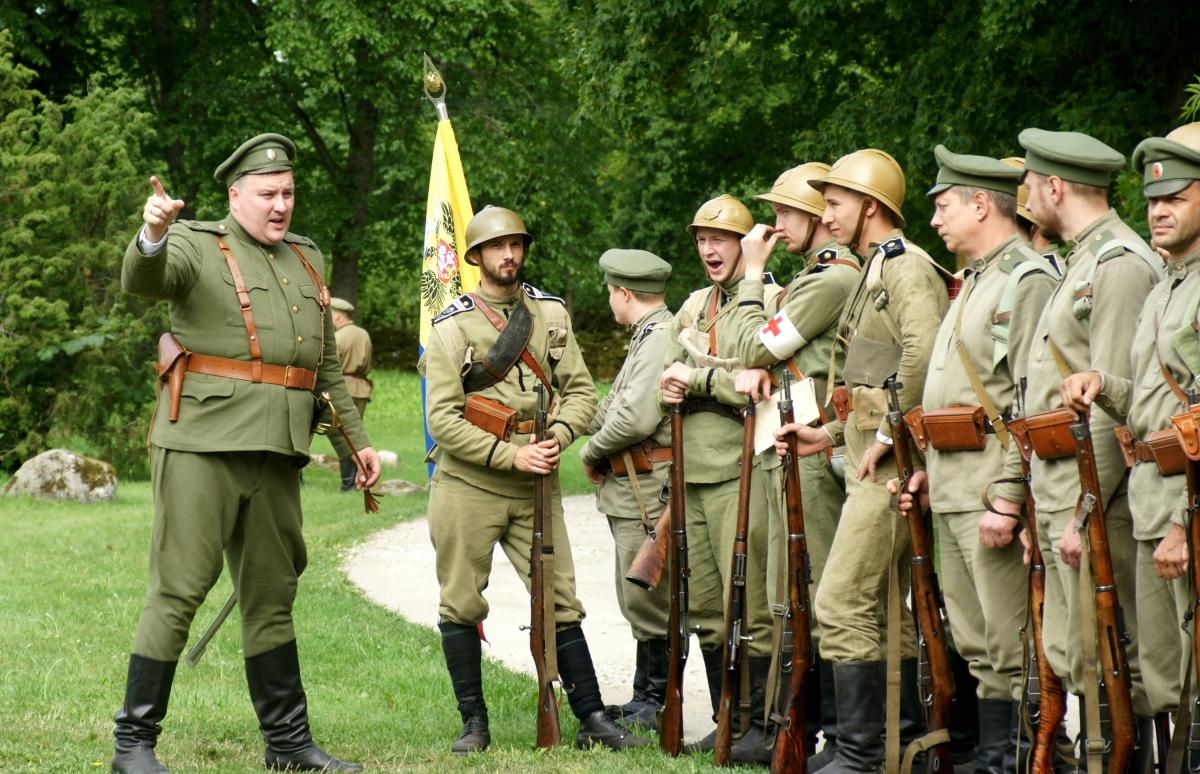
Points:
[[291, 377], [526, 427], [652, 453], [697, 405], [1142, 452]]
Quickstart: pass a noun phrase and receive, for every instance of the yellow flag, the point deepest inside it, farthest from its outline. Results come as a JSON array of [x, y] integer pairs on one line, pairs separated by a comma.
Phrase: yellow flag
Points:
[[445, 275]]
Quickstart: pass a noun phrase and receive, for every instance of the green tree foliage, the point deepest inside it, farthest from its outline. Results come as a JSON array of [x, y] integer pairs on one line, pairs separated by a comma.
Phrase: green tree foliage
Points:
[[75, 353]]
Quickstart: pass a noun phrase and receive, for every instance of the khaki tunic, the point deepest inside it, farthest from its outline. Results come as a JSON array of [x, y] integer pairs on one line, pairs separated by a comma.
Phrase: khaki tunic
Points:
[[625, 417], [1100, 341], [226, 474], [1164, 338], [984, 587], [812, 303], [712, 465], [888, 327], [354, 354], [477, 498]]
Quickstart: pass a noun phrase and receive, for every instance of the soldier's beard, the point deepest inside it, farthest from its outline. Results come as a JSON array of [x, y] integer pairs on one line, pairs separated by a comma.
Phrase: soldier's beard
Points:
[[505, 280]]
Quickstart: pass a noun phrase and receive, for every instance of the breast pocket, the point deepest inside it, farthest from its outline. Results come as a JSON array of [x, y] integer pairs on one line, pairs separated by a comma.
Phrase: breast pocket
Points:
[[257, 289], [556, 339], [308, 317]]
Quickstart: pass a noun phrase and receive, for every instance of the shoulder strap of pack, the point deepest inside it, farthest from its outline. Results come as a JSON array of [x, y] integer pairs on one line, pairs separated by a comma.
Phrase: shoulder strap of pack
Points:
[[1111, 249], [1003, 316], [524, 355]]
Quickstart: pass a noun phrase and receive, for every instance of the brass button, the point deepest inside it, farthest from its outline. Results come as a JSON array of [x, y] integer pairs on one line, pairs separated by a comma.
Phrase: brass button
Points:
[[295, 308], [285, 280], [252, 338], [222, 226], [300, 339]]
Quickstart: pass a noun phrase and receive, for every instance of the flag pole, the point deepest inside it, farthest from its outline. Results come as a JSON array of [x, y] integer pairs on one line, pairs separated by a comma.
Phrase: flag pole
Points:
[[435, 88]]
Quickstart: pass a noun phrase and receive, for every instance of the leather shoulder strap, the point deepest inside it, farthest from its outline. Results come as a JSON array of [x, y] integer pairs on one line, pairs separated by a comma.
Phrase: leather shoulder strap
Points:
[[505, 349], [239, 284]]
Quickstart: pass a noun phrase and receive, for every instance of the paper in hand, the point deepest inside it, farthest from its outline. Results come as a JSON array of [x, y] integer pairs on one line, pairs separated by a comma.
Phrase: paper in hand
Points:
[[804, 407]]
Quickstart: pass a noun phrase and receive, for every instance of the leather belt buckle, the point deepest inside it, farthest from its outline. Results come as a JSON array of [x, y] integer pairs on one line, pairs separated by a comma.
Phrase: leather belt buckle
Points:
[[287, 376]]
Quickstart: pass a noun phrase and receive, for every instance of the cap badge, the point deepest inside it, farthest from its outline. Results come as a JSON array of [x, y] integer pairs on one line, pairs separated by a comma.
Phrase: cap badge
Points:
[[271, 154], [1156, 170], [711, 213]]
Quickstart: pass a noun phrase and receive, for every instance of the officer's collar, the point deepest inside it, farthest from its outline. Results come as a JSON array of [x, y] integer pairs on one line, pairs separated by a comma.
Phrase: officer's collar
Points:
[[494, 300], [810, 258], [1178, 268], [873, 247], [1101, 222], [235, 230], [996, 254], [648, 316]]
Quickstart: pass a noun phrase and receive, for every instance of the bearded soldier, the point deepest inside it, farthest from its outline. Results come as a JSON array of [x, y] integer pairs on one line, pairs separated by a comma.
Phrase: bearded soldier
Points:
[[487, 353]]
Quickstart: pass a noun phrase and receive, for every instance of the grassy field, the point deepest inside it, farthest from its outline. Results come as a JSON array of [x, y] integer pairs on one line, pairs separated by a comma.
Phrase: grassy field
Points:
[[72, 579]]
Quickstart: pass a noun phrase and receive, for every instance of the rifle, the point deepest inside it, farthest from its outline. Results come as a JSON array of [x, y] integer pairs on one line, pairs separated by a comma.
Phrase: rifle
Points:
[[927, 595], [541, 598], [790, 754], [670, 722], [646, 569], [733, 657], [1192, 473], [1110, 621], [1045, 695]]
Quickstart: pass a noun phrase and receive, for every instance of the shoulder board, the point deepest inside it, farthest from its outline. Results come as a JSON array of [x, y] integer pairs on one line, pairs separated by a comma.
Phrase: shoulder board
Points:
[[894, 247], [1118, 246], [299, 240], [769, 278], [828, 254], [459, 305], [1053, 260], [538, 295], [209, 226]]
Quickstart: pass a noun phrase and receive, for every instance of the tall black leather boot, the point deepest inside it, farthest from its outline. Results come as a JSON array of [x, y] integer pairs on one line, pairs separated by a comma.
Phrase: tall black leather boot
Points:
[[1142, 761], [812, 705], [147, 690], [460, 645], [583, 692], [964, 714], [860, 697], [649, 694], [828, 717], [713, 672], [349, 471], [282, 708], [758, 743], [995, 733]]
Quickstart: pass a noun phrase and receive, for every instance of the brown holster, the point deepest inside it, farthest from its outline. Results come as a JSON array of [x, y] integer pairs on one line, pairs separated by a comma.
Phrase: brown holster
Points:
[[1162, 447], [172, 365], [1050, 433], [843, 402], [490, 416], [1187, 428]]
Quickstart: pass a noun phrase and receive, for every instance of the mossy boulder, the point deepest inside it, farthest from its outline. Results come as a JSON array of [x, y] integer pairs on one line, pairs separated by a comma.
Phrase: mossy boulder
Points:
[[61, 474]]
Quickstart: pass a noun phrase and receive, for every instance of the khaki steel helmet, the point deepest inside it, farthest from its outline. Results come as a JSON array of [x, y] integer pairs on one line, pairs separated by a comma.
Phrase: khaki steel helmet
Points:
[[1017, 162], [723, 212], [871, 172], [792, 188], [491, 223]]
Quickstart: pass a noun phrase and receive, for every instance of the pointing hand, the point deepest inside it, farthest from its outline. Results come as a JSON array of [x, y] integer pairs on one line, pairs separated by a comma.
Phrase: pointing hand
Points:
[[160, 211]]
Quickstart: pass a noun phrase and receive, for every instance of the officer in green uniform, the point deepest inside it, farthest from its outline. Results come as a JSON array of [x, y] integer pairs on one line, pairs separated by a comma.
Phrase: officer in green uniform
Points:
[[1087, 324], [354, 355], [796, 335], [702, 365], [248, 304], [886, 329], [978, 356], [1166, 362], [1031, 232], [629, 432], [482, 490]]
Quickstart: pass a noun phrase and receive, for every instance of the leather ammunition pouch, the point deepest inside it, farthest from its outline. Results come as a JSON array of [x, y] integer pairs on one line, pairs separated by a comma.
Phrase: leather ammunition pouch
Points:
[[697, 405], [1050, 433], [842, 402], [643, 455], [171, 366], [490, 416], [1187, 428], [1162, 447], [957, 428]]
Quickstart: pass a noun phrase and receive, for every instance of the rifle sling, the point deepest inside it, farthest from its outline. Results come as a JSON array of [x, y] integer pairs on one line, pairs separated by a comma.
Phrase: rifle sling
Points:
[[1094, 745], [511, 346], [636, 486], [985, 400], [892, 727]]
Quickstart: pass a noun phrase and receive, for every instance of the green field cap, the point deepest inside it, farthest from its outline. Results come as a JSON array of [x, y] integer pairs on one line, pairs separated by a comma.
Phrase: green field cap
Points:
[[341, 305], [1072, 156], [636, 270], [257, 156], [1169, 164], [973, 171]]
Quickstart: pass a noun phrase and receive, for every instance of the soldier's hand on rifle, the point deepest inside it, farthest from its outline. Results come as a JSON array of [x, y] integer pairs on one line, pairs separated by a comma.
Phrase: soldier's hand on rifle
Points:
[[593, 475], [160, 211], [539, 457], [918, 487], [756, 249], [1069, 548], [371, 469], [755, 382], [1079, 390], [996, 530], [674, 383], [870, 459], [811, 439], [1171, 554]]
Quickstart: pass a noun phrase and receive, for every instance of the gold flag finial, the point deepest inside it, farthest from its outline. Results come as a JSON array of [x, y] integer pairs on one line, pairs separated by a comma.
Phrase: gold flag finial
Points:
[[435, 88]]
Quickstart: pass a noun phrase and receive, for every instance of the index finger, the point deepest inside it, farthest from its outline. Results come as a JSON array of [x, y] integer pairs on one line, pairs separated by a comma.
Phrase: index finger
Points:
[[158, 187]]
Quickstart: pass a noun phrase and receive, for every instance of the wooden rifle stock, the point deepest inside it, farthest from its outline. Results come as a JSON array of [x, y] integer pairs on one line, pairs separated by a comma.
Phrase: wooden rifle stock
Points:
[[926, 594], [733, 656], [1192, 472], [1052, 703], [646, 569], [670, 722], [790, 754], [1110, 623], [541, 600]]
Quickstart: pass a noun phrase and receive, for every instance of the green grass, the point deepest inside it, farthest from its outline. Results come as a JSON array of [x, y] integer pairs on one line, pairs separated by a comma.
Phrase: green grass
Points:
[[72, 579]]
